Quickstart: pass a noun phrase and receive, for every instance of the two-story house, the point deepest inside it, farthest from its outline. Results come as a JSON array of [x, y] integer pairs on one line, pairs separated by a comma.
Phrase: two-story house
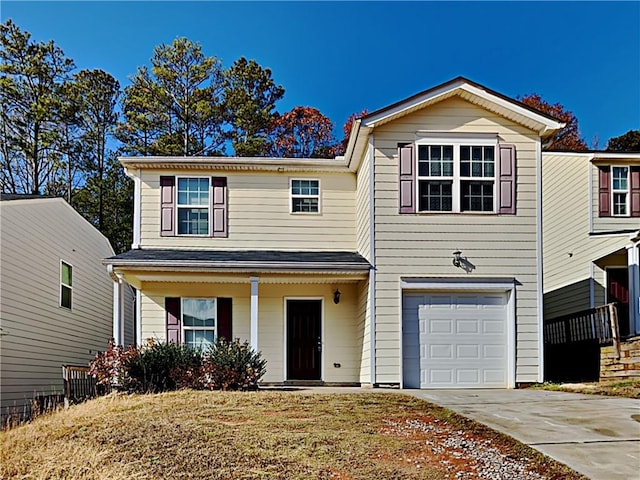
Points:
[[414, 260], [591, 211]]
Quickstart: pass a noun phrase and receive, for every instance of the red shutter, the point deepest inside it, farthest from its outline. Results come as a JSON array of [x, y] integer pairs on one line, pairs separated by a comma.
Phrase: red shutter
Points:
[[635, 191], [172, 308], [506, 178], [407, 169], [604, 192], [224, 318], [167, 206], [219, 213]]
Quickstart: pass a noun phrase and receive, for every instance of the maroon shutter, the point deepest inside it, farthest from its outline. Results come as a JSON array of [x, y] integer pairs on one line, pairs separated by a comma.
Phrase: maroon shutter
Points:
[[604, 192], [506, 179], [219, 207], [407, 169], [167, 206], [635, 191], [224, 318], [172, 308]]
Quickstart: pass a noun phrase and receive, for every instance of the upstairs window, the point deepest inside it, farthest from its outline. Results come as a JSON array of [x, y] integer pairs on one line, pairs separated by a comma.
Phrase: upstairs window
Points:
[[456, 178], [193, 206], [619, 190], [66, 285], [305, 196]]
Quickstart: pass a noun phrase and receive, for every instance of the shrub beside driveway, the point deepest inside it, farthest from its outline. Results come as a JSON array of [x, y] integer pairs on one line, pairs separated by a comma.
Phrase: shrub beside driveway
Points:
[[200, 434]]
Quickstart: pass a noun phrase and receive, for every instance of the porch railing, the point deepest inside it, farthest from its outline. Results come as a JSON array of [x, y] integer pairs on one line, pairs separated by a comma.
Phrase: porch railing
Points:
[[79, 385], [600, 324]]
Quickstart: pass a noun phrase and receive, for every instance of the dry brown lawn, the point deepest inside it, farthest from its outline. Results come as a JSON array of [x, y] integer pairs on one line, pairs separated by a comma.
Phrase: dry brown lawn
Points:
[[622, 388], [262, 435]]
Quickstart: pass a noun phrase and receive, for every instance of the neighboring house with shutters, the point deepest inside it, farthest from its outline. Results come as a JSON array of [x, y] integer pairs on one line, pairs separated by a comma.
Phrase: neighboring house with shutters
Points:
[[56, 300], [413, 260], [591, 210]]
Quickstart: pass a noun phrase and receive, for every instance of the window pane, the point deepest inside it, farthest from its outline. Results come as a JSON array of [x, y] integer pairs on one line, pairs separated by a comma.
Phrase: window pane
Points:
[[193, 221], [465, 153], [66, 274], [620, 175], [435, 196], [423, 152], [476, 169], [436, 169], [477, 196], [423, 168], [65, 297], [199, 312], [199, 339], [309, 205], [619, 203]]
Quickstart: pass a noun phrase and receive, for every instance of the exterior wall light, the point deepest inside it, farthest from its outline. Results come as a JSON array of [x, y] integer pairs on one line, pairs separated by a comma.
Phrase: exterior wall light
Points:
[[457, 258], [336, 296]]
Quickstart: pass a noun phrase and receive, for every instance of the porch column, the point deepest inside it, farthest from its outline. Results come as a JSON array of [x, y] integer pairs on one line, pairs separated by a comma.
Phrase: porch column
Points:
[[633, 259], [254, 312], [118, 298]]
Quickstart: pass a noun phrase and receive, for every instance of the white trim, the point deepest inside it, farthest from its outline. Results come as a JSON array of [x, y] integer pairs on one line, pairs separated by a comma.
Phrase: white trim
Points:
[[292, 196], [539, 260], [285, 363], [627, 193], [480, 285], [118, 311], [633, 264], [592, 209], [137, 209], [183, 327], [254, 312], [372, 260], [473, 139]]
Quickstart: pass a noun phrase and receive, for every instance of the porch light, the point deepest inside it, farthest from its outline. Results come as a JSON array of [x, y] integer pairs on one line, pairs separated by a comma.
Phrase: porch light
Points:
[[457, 257], [336, 296]]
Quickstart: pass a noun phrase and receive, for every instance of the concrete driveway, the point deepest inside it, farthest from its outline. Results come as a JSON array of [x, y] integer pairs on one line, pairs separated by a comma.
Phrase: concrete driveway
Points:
[[596, 436]]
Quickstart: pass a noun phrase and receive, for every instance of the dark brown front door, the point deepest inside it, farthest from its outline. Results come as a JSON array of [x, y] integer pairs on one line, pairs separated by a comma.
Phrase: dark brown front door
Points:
[[304, 345], [618, 291]]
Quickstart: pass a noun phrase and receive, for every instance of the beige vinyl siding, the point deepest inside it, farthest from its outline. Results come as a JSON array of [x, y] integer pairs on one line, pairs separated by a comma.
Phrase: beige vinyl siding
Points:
[[39, 336], [342, 330], [363, 208], [607, 224], [568, 248], [364, 329], [421, 245], [259, 213]]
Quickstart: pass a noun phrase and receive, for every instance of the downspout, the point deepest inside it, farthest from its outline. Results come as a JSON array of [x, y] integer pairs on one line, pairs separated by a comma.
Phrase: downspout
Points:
[[372, 259], [540, 268], [137, 205]]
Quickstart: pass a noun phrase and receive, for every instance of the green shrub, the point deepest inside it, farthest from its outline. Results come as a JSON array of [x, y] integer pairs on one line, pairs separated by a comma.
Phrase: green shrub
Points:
[[161, 367], [233, 366]]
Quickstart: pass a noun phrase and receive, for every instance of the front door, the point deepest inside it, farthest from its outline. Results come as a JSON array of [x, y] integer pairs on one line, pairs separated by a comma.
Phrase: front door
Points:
[[618, 291], [304, 344]]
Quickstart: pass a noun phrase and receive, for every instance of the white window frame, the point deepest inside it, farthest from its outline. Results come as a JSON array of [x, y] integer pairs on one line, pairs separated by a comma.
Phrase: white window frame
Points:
[[190, 328], [626, 191], [178, 206], [64, 285], [479, 140], [292, 196]]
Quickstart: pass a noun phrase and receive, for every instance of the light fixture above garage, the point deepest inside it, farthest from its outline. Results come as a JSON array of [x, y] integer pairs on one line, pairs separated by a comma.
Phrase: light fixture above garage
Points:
[[462, 262]]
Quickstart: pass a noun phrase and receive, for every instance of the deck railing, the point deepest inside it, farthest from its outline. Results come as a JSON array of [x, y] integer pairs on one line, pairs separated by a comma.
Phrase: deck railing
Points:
[[600, 324]]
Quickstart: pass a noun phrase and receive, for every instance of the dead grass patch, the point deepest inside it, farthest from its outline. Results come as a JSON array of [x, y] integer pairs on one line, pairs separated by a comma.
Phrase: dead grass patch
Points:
[[622, 388], [255, 435]]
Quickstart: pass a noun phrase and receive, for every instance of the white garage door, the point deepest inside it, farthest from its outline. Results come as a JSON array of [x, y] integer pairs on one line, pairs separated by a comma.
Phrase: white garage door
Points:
[[455, 340]]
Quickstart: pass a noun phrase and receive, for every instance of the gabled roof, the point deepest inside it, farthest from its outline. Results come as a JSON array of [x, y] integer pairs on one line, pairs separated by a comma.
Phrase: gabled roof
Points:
[[461, 87], [5, 197]]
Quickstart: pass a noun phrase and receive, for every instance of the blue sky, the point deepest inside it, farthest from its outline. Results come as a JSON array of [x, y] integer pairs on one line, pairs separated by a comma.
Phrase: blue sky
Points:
[[341, 57]]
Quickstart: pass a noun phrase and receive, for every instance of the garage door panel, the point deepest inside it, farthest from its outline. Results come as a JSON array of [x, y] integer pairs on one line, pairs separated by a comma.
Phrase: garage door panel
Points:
[[462, 340]]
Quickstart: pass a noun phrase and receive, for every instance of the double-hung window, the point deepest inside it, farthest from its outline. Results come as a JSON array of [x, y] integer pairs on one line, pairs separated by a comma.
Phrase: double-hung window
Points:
[[620, 190], [193, 206], [199, 322], [305, 196], [456, 176], [66, 285]]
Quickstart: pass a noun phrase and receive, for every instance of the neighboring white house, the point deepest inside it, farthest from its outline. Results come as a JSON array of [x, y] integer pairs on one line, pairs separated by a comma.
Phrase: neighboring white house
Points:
[[56, 299], [414, 260]]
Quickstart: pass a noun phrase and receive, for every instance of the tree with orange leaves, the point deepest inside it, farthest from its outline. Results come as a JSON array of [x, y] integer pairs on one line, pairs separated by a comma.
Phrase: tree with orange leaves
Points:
[[303, 132]]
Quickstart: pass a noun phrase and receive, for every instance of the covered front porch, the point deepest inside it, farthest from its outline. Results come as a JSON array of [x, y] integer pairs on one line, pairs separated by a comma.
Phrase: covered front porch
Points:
[[305, 311]]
